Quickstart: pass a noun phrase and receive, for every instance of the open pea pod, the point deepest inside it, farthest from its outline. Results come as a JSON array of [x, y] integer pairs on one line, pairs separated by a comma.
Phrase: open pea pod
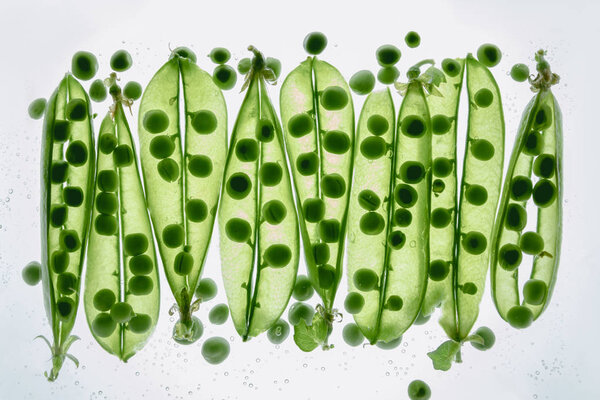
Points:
[[257, 220], [122, 296], [182, 173], [67, 175], [537, 149], [318, 123]]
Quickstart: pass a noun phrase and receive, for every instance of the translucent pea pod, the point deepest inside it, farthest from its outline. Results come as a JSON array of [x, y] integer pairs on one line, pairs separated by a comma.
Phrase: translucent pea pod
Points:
[[318, 122], [444, 113], [259, 240], [542, 115], [182, 173], [67, 174], [122, 296]]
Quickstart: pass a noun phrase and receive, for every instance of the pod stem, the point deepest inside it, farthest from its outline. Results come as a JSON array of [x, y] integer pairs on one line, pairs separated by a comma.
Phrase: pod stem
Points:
[[545, 77], [59, 353]]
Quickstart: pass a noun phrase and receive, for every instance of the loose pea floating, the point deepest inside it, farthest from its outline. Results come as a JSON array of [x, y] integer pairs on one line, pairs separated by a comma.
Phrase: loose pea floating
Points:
[[362, 82], [32, 273], [36, 108], [224, 77], [215, 350], [98, 91], [259, 231], [315, 43], [387, 55], [84, 65], [519, 72], [219, 55], [183, 184], [278, 332], [412, 39], [537, 149], [418, 390], [120, 61], [489, 55]]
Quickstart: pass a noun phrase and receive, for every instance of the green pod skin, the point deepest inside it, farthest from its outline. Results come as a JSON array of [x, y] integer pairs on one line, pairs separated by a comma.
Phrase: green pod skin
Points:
[[170, 190], [78, 216], [301, 93], [440, 293], [485, 123], [109, 262], [258, 280], [505, 283]]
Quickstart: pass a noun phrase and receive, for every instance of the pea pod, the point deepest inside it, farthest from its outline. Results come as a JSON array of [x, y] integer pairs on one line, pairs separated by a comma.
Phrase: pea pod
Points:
[[537, 149], [66, 196], [122, 296], [182, 171], [257, 220], [318, 123]]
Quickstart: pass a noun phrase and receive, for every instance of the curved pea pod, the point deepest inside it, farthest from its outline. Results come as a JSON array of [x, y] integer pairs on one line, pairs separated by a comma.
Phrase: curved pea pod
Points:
[[444, 114], [67, 174], [182, 173], [318, 122], [537, 149], [122, 295], [258, 226]]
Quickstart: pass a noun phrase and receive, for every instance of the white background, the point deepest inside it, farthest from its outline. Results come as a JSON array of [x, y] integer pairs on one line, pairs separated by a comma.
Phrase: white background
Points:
[[556, 358]]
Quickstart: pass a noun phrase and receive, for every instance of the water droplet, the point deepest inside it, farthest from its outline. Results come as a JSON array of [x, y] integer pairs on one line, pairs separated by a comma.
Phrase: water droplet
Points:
[[413, 243]]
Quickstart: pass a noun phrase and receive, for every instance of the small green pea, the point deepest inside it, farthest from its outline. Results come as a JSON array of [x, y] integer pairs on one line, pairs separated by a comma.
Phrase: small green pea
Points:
[[396, 240], [140, 323], [37, 108], [544, 193], [200, 166], [313, 210], [140, 285], [489, 54], [66, 283], [516, 217], [468, 288], [238, 230], [141, 265], [519, 317], [121, 312], [534, 291], [412, 39], [333, 185], [534, 143], [438, 270], [372, 223], [204, 122], [161, 147], [61, 131], [218, 314], [59, 171], [65, 306], [173, 235], [107, 142], [277, 255], [402, 217], [300, 125], [84, 65], [389, 345], [388, 75], [440, 218], [98, 91], [474, 243], [196, 210], [484, 98], [326, 276], [103, 325], [442, 167], [300, 311], [106, 203], [354, 303], [59, 261], [107, 181], [412, 172], [183, 52], [69, 240], [440, 124], [544, 166], [394, 303], [271, 173], [510, 257], [244, 66], [352, 335], [120, 61], [334, 98], [451, 67], [247, 150], [520, 188], [373, 147], [307, 163], [274, 212], [329, 230], [369, 200], [58, 215], [224, 77], [482, 149], [519, 72], [488, 338], [543, 118], [219, 55], [168, 170], [32, 273], [321, 253], [413, 126], [105, 225], [275, 65], [315, 43], [183, 263], [362, 82], [104, 299], [377, 124], [418, 390], [476, 194], [73, 196], [365, 279], [206, 289], [132, 90], [303, 289], [155, 121], [531, 243], [188, 331], [76, 110], [405, 195], [265, 131], [123, 155], [76, 153], [215, 350], [387, 55], [278, 332]]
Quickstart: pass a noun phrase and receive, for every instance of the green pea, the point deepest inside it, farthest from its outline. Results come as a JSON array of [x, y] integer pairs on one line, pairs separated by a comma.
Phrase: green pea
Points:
[[300, 125], [168, 170], [388, 75], [440, 124], [238, 185], [107, 143], [183, 263], [362, 82], [516, 217], [336, 142], [476, 194], [59, 171], [104, 299], [76, 153], [278, 332], [204, 122], [121, 312], [440, 218], [484, 98], [140, 285], [37, 108], [534, 143], [244, 66], [303, 289], [196, 210], [274, 212], [510, 257], [69, 240], [468, 288], [519, 317], [219, 55], [543, 166], [394, 303], [520, 188], [275, 66], [438, 270], [412, 172], [184, 52], [224, 77], [161, 147], [474, 243], [200, 166], [352, 335], [482, 149], [369, 200], [103, 325], [206, 289], [405, 195], [534, 292], [61, 131], [451, 67], [442, 167], [333, 185], [107, 181], [519, 72], [132, 90], [354, 303], [313, 210], [387, 55], [488, 338], [531, 243], [321, 253], [32, 273], [315, 43], [218, 314], [65, 307], [413, 126], [66, 283], [377, 124], [247, 150], [76, 110], [238, 230], [396, 240], [372, 223], [105, 225], [300, 311], [334, 98], [373, 147], [106, 203], [402, 217], [544, 193], [215, 350], [59, 261], [141, 264], [326, 276], [277, 255], [543, 118], [84, 65], [365, 279], [271, 173], [265, 131], [140, 323], [123, 155], [120, 61], [412, 39], [389, 345], [489, 54], [98, 91], [73, 196], [155, 121], [58, 215], [418, 390], [329, 230], [173, 235], [193, 331]]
